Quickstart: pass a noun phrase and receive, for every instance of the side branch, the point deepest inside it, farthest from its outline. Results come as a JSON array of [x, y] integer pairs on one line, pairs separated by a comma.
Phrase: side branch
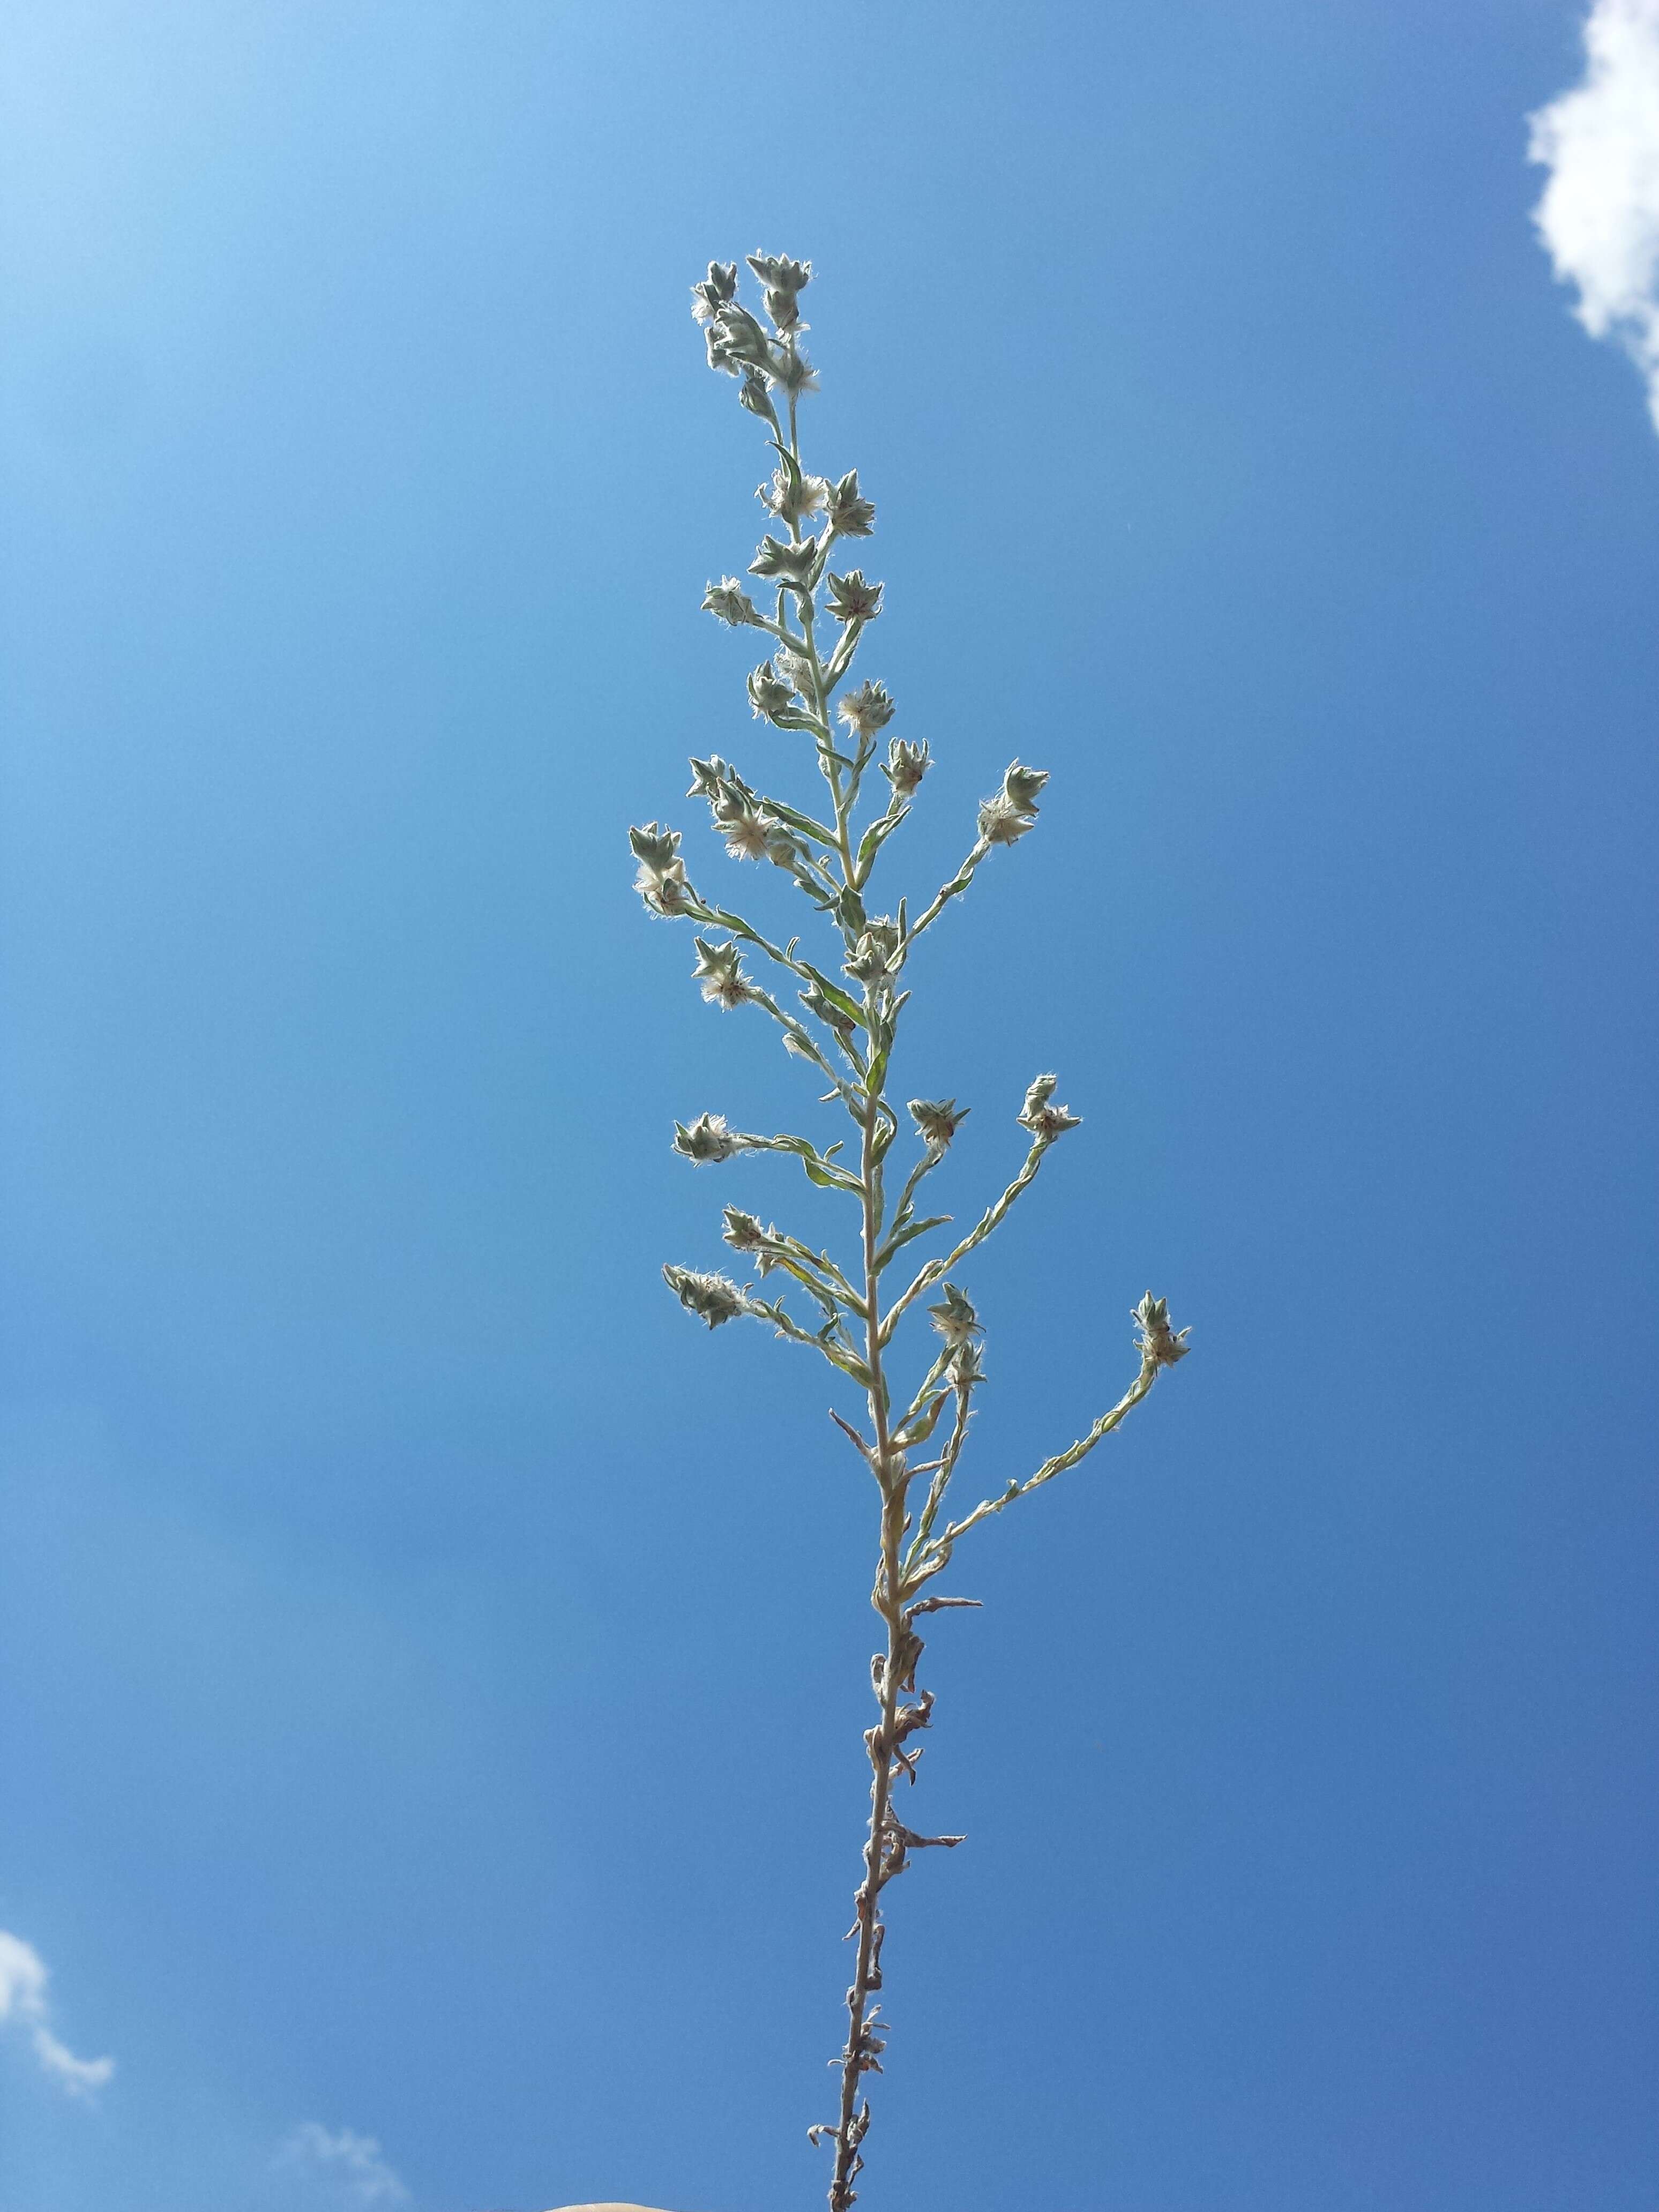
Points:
[[958, 884], [977, 1235], [1160, 1346]]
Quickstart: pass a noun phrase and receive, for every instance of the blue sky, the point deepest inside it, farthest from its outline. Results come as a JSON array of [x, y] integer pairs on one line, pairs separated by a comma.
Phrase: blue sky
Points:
[[433, 1667]]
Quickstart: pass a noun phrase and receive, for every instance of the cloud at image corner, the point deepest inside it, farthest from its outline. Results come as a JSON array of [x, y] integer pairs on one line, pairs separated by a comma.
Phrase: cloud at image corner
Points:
[[1599, 215]]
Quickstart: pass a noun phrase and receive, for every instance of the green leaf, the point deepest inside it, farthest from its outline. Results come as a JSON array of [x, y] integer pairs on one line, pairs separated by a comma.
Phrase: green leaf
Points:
[[875, 837], [837, 998], [828, 1178], [817, 1165], [803, 823], [896, 1242], [925, 1421]]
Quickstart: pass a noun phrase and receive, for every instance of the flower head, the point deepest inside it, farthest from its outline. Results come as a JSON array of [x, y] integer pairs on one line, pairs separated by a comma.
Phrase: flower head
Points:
[[963, 1369], [779, 273], [753, 834], [661, 878], [739, 341], [1021, 786], [788, 562], [1002, 824], [851, 516], [954, 1317], [905, 765], [867, 709], [938, 1120], [853, 600], [716, 292], [798, 375], [708, 1141], [1004, 819], [712, 778], [769, 694], [753, 394], [791, 494], [712, 1298], [785, 281], [729, 603], [1157, 1341], [719, 970], [1046, 1121], [743, 1231]]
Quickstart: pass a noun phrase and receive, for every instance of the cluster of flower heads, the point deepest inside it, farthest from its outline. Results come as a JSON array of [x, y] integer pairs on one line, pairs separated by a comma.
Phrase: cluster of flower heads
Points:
[[792, 688], [738, 343]]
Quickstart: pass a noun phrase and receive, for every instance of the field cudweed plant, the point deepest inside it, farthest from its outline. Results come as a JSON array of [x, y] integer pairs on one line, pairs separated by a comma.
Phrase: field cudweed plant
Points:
[[842, 1018]]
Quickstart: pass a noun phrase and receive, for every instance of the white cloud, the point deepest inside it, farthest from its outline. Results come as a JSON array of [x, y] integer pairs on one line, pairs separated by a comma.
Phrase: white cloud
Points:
[[1599, 217], [23, 2005], [351, 2164]]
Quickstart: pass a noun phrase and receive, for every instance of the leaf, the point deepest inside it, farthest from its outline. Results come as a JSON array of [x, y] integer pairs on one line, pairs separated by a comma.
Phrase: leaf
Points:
[[837, 998], [817, 1166], [828, 1178], [896, 1242], [918, 1432], [803, 823], [875, 837]]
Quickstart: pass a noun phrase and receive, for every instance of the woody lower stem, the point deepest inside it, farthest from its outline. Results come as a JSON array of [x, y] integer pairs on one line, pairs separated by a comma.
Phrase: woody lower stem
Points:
[[879, 1742]]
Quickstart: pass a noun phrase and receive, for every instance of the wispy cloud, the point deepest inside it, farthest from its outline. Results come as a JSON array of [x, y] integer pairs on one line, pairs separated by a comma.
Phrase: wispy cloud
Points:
[[350, 2166], [23, 1980], [1599, 217]]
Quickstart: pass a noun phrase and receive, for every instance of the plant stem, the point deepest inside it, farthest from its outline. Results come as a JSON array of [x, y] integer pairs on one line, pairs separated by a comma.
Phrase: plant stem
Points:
[[859, 2057]]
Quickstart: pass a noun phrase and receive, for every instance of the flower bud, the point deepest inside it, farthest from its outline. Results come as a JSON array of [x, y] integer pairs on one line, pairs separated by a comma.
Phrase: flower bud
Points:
[[742, 338], [653, 846], [716, 291], [964, 1370], [851, 516], [875, 955], [785, 280], [867, 709], [954, 1317], [795, 669], [720, 973], [868, 964], [788, 562], [715, 779], [742, 1231], [938, 1120], [719, 353], [661, 878], [708, 1141], [1004, 819], [712, 1298], [768, 694], [1157, 1341], [1044, 1120], [753, 394], [905, 766], [779, 273], [851, 599], [1021, 785], [729, 603]]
